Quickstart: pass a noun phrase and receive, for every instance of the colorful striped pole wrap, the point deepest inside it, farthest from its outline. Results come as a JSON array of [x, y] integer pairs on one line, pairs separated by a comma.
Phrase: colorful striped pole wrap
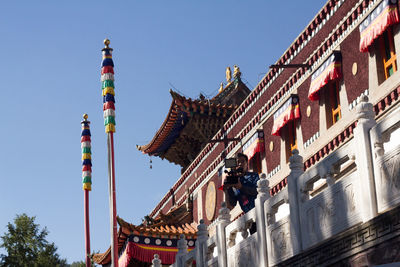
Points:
[[86, 156], [107, 79]]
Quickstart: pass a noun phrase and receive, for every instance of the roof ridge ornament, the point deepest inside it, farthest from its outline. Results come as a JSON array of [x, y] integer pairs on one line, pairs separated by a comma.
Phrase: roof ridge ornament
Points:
[[228, 73], [236, 72]]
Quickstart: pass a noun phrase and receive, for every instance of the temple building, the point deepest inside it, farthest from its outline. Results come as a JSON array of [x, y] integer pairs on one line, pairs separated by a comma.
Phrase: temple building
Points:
[[322, 128], [188, 128]]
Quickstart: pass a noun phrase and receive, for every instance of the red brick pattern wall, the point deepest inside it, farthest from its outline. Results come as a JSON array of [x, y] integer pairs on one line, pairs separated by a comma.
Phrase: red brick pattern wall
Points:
[[357, 84], [309, 126], [273, 158]]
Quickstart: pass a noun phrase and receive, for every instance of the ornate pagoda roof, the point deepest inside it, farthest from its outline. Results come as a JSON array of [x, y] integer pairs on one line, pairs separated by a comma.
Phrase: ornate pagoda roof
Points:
[[171, 225], [191, 123]]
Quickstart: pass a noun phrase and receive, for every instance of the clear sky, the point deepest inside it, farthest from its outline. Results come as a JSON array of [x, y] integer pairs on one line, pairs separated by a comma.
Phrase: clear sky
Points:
[[50, 76]]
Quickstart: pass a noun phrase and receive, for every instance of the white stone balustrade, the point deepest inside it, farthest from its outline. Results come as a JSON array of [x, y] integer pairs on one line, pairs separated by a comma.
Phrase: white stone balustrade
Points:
[[201, 249], [180, 258], [222, 221], [327, 196], [241, 246], [385, 138], [212, 260], [366, 120], [345, 188]]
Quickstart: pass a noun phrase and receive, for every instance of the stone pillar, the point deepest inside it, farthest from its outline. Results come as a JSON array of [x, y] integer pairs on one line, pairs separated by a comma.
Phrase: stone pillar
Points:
[[296, 170], [156, 261], [182, 252], [222, 221], [367, 194], [263, 195], [201, 245]]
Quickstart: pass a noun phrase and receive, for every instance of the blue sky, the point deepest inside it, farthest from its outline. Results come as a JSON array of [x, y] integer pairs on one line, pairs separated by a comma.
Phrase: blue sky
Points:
[[50, 72]]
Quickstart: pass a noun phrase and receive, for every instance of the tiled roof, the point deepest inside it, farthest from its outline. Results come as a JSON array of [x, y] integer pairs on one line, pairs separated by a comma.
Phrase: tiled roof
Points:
[[171, 225], [189, 125], [159, 230], [182, 108]]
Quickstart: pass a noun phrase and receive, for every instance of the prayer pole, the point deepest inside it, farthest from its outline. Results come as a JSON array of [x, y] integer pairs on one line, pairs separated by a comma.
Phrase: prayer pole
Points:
[[107, 79], [87, 180]]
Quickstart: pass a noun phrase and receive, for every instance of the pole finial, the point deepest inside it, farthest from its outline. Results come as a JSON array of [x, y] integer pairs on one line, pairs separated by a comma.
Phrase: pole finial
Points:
[[106, 43]]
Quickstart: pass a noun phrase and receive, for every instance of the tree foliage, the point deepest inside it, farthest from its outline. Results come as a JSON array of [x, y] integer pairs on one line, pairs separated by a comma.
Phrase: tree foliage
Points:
[[78, 264], [26, 245]]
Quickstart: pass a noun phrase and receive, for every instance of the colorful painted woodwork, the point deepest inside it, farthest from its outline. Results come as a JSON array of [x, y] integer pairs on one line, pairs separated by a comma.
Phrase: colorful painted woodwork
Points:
[[107, 79], [86, 154], [383, 16]]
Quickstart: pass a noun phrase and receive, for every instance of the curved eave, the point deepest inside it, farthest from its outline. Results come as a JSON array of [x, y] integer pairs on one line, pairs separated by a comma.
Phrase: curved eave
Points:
[[160, 229], [162, 133], [105, 258], [171, 126]]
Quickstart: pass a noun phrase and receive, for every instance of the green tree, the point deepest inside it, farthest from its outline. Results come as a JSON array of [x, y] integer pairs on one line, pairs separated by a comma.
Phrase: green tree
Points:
[[78, 264], [26, 245]]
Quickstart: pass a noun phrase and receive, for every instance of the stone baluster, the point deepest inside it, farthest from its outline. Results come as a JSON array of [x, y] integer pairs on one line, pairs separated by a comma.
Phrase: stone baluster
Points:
[[182, 252], [366, 120], [156, 261], [263, 195], [201, 244], [296, 170], [222, 221], [328, 174]]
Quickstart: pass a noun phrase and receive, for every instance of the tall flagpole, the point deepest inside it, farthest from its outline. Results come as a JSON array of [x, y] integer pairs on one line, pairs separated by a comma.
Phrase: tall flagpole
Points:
[[107, 78], [87, 180]]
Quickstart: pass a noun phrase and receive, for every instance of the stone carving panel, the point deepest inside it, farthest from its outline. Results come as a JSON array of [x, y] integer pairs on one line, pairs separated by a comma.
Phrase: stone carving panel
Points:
[[389, 170], [311, 225], [280, 244], [244, 254], [330, 212]]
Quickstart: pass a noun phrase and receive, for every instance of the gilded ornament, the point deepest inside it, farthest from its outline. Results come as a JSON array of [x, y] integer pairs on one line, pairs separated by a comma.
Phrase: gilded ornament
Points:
[[211, 199], [228, 74], [354, 68], [236, 72], [221, 87], [271, 146], [106, 43], [308, 111]]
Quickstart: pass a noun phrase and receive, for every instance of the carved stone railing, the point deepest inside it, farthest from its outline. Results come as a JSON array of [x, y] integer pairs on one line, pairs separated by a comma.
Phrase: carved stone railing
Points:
[[387, 160], [278, 232], [332, 206], [346, 188], [211, 260], [242, 251]]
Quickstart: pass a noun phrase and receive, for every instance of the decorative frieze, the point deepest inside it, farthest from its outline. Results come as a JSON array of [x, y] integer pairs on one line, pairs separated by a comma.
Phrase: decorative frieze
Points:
[[358, 99], [311, 140]]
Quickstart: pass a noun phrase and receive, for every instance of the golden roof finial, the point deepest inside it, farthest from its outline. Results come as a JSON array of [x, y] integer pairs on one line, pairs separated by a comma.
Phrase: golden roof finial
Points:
[[228, 74], [221, 87], [106, 43], [236, 72]]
